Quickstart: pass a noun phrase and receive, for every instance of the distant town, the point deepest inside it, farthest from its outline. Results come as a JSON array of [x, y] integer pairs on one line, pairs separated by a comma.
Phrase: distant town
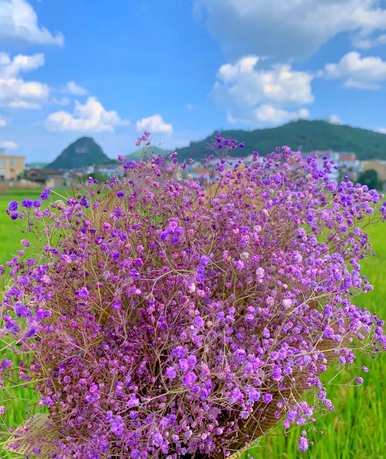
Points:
[[358, 153], [15, 172]]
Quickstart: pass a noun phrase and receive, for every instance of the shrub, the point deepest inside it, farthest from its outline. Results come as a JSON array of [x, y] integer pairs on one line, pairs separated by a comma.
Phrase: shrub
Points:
[[168, 319]]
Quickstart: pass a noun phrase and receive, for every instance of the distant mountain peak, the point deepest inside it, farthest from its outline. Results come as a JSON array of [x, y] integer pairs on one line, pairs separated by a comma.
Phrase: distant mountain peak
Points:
[[306, 135], [83, 152]]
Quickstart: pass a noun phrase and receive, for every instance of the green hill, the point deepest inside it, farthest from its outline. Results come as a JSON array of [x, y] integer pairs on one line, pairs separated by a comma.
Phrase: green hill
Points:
[[303, 134], [81, 153], [146, 152]]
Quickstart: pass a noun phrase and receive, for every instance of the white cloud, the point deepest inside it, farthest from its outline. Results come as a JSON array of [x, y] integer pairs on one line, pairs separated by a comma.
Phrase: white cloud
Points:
[[8, 145], [154, 124], [255, 95], [287, 29], [88, 117], [15, 92], [366, 42], [10, 68], [3, 121], [63, 101], [334, 119], [19, 22], [270, 115], [249, 85], [357, 72], [74, 89], [381, 130]]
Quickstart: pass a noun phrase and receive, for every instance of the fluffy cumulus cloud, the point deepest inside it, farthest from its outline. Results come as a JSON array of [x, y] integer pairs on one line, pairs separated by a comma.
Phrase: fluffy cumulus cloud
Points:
[[154, 124], [88, 117], [381, 130], [8, 145], [267, 114], [291, 28], [266, 96], [74, 89], [357, 71], [367, 42], [19, 22], [15, 92], [334, 119]]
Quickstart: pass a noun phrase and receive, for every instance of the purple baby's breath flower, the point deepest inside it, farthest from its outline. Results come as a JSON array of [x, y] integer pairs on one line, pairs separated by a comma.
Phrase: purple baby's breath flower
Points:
[[44, 195], [170, 372], [277, 374], [287, 303], [27, 203], [133, 402], [127, 165], [83, 293], [6, 363], [358, 380], [189, 379], [116, 304], [145, 319], [84, 202], [21, 310], [12, 206], [184, 365], [303, 443]]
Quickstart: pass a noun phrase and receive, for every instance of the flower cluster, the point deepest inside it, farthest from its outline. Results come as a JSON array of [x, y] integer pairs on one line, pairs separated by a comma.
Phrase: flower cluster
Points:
[[143, 139], [222, 143], [13, 206], [167, 319]]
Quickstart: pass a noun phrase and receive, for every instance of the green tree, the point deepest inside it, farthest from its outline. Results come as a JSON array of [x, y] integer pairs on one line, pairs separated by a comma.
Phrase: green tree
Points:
[[370, 178]]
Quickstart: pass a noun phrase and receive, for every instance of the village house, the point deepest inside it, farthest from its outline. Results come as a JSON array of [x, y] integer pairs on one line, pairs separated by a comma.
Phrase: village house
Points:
[[11, 166], [52, 178]]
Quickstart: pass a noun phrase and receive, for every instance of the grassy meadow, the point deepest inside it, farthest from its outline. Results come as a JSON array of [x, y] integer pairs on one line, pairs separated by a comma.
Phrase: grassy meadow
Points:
[[356, 429]]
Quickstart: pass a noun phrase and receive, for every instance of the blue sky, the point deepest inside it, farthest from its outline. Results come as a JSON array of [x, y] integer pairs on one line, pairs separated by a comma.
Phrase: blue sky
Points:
[[183, 68]]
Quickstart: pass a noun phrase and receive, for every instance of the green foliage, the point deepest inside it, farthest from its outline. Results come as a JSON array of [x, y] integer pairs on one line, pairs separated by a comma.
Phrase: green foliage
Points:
[[81, 153], [307, 135], [371, 179]]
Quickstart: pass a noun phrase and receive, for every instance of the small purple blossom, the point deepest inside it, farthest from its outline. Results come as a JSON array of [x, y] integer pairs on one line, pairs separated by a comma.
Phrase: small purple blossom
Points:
[[27, 203], [170, 372], [44, 195], [6, 363], [189, 379], [303, 443], [83, 293], [12, 206], [84, 202]]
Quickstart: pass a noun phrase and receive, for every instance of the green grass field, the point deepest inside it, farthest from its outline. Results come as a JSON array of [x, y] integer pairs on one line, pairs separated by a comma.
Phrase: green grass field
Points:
[[356, 429]]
